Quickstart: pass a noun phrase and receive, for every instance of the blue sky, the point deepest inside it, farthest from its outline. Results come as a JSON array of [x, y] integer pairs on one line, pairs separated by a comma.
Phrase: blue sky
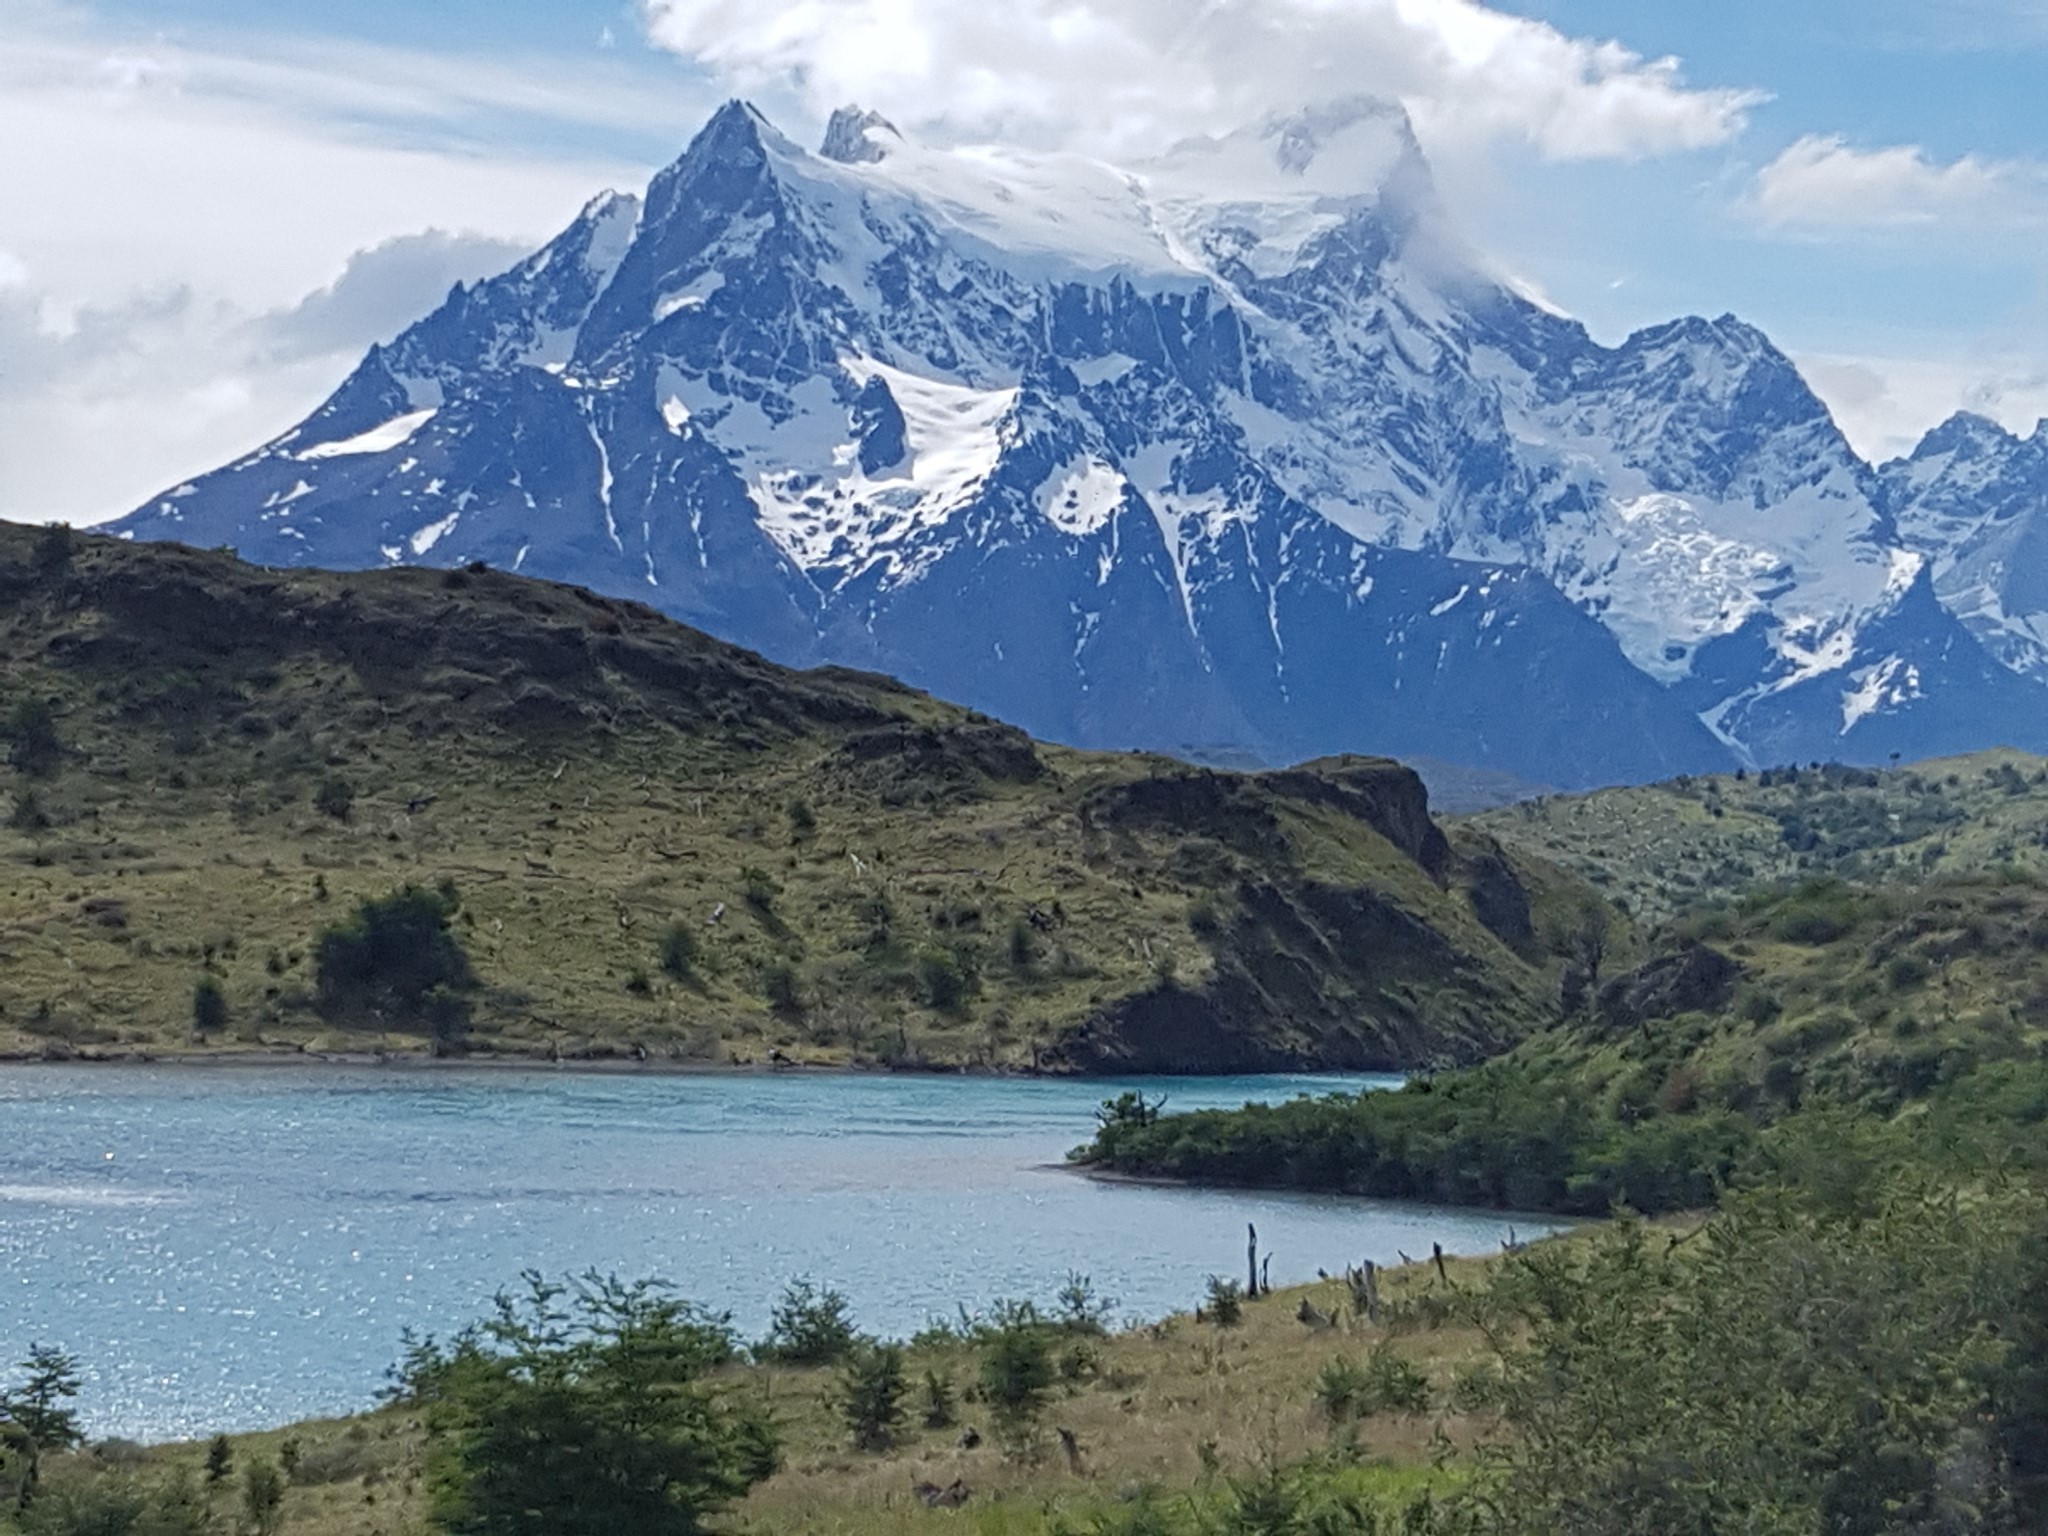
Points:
[[230, 199]]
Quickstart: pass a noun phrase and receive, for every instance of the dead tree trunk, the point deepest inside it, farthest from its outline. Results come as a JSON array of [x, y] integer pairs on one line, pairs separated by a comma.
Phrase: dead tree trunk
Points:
[[1251, 1258]]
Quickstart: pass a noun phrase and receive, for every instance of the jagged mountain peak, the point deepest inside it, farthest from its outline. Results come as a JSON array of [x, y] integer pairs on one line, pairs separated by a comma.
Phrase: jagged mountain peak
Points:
[[1235, 451], [1965, 432], [856, 137]]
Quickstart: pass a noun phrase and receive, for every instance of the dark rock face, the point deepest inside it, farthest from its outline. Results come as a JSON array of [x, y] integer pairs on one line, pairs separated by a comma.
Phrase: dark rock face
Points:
[[1271, 497], [1698, 979]]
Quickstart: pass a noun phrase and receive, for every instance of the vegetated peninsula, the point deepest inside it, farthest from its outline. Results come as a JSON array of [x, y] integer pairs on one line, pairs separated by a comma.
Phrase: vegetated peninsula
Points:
[[461, 810], [1839, 946]]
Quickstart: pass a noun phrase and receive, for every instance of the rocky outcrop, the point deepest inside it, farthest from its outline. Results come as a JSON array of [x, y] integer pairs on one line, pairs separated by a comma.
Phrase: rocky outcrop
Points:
[[1697, 979]]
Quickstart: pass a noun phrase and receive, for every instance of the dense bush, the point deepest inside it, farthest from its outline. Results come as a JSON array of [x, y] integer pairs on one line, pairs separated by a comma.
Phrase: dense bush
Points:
[[679, 951], [871, 1391], [33, 746], [808, 1325], [398, 959], [209, 1006], [335, 797], [582, 1411]]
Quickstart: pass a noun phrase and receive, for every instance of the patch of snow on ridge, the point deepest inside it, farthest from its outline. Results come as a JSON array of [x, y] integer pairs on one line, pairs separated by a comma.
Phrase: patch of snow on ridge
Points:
[[691, 296], [1890, 683], [381, 439], [1081, 496], [433, 533]]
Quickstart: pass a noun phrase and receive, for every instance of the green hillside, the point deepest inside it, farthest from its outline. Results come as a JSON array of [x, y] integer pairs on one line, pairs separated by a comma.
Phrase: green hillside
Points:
[[660, 845], [1660, 848]]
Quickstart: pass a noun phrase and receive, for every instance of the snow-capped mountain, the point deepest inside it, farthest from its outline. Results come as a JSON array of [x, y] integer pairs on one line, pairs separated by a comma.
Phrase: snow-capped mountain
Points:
[[1973, 500], [1235, 452]]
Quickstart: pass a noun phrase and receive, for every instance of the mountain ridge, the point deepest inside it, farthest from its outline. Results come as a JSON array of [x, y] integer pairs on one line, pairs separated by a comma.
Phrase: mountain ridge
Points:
[[1207, 452]]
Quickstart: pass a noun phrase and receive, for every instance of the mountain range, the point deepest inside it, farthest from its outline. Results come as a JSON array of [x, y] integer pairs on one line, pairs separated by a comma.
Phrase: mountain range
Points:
[[1236, 453]]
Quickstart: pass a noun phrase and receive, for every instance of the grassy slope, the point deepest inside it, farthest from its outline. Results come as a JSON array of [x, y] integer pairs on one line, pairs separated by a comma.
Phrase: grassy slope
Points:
[[1155, 1398], [1662, 847], [589, 773]]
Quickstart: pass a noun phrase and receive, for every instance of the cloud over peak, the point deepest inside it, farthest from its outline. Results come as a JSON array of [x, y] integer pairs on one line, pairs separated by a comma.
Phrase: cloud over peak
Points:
[[1129, 76]]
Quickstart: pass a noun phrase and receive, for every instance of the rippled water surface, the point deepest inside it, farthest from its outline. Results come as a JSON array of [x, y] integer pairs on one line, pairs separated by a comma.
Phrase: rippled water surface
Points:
[[226, 1248]]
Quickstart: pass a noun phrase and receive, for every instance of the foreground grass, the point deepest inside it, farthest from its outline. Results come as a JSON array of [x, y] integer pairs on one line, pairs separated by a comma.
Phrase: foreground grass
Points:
[[1179, 1406]]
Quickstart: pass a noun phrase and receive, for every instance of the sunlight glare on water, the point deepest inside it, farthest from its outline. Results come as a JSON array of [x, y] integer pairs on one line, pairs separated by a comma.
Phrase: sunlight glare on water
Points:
[[228, 1248]]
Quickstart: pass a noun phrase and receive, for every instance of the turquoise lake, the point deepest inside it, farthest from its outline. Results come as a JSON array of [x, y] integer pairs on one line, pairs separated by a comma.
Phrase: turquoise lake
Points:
[[230, 1247]]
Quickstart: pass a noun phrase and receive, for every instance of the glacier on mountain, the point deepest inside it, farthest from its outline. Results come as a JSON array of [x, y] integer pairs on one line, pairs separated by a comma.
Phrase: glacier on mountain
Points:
[[1235, 452]]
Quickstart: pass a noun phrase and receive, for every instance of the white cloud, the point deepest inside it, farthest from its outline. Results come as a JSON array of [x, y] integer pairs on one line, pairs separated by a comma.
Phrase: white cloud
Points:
[[176, 283], [119, 401], [1123, 75], [1885, 405], [1823, 183]]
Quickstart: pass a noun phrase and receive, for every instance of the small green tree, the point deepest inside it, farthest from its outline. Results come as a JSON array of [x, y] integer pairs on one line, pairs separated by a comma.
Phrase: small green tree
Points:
[[946, 981], [582, 1411], [209, 1006], [262, 1496], [1016, 1364], [1225, 1306], [679, 951], [780, 987], [220, 1459], [335, 797], [55, 547], [1023, 947], [34, 747], [49, 1381], [28, 814], [940, 1410], [871, 1391], [808, 1326], [803, 821]]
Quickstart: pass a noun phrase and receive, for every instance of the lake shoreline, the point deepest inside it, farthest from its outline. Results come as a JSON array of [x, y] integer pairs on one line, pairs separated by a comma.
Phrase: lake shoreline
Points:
[[624, 1066]]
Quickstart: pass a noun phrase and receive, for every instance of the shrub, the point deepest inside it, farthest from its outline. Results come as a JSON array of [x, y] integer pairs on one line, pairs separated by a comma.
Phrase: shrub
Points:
[[871, 1391], [398, 958], [1016, 1363], [939, 1409], [1340, 1390], [50, 1380], [1081, 1309], [758, 890], [679, 951], [209, 1006], [335, 797], [1225, 1307], [116, 1505], [638, 982], [779, 986], [803, 821], [577, 1411], [56, 544], [808, 1326], [944, 978], [33, 746], [262, 1496], [28, 814]]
